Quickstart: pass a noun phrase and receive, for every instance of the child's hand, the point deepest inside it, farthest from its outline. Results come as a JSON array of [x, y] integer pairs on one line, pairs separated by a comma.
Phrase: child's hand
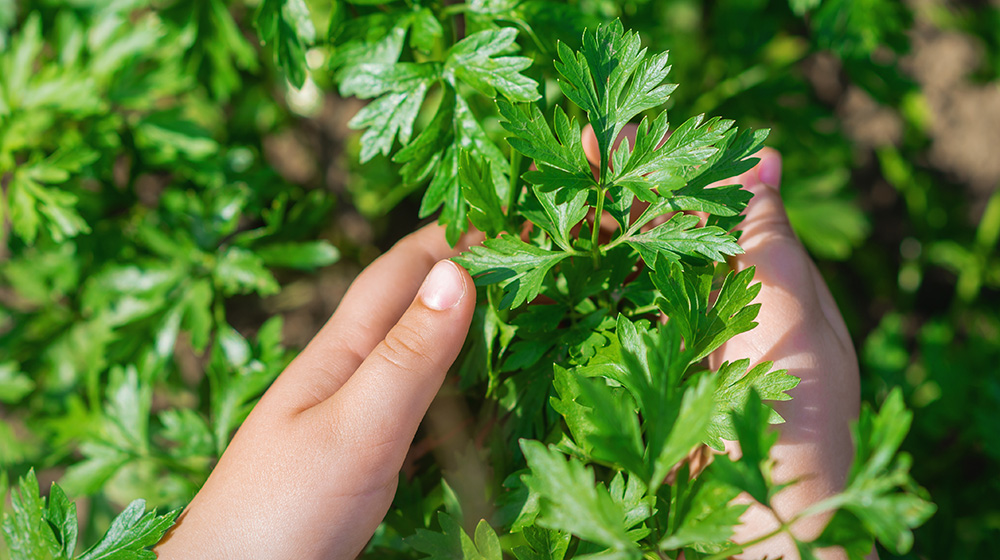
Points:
[[313, 470]]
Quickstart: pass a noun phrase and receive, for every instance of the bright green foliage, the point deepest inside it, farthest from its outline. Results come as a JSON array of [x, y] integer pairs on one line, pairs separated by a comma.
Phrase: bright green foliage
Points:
[[519, 268], [571, 502], [878, 495], [144, 219], [705, 326], [41, 529], [633, 398], [138, 203], [287, 26], [453, 543], [372, 70]]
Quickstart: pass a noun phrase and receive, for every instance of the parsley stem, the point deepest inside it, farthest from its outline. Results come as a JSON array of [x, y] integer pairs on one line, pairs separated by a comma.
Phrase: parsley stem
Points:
[[515, 174], [595, 230]]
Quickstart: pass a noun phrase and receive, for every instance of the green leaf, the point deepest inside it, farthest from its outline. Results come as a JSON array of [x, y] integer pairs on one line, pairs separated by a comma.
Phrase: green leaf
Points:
[[473, 60], [14, 385], [425, 30], [189, 431], [372, 80], [26, 530], [33, 204], [307, 255], [571, 501], [168, 135], [646, 167], [543, 544], [131, 534], [568, 402], [679, 237], [436, 151], [61, 517], [880, 492], [370, 39], [612, 80], [561, 162], [630, 492], [453, 543], [733, 157], [480, 192], [752, 472], [555, 218], [287, 26], [101, 462], [685, 301], [650, 365], [240, 271], [848, 532], [517, 267], [487, 541], [703, 515], [613, 435], [386, 117], [734, 385]]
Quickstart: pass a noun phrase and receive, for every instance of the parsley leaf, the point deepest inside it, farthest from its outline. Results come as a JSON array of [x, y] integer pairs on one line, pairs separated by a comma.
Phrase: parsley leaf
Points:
[[26, 530], [752, 472], [735, 384], [287, 26], [685, 301], [612, 80], [572, 502], [480, 192], [131, 533], [561, 161], [880, 496], [37, 530], [679, 237], [543, 544], [519, 268], [473, 61], [453, 543]]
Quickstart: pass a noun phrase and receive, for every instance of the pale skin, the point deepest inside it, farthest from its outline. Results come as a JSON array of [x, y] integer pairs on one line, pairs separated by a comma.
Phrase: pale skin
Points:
[[313, 469]]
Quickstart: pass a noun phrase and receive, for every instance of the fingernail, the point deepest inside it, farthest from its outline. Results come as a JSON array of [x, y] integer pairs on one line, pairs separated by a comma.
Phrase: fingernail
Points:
[[770, 172], [444, 287]]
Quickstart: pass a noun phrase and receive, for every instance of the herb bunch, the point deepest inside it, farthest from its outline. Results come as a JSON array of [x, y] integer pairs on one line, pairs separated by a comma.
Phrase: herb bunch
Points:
[[590, 401], [594, 400]]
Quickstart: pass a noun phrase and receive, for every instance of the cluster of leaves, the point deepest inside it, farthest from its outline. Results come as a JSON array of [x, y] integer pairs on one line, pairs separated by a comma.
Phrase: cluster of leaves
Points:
[[136, 205], [566, 323], [939, 346], [47, 529]]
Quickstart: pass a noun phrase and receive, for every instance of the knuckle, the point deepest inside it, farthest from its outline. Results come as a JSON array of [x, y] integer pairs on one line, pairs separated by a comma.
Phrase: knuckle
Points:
[[406, 348]]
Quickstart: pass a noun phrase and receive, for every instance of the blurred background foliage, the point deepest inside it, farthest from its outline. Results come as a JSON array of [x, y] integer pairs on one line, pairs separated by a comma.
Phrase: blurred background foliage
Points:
[[182, 205]]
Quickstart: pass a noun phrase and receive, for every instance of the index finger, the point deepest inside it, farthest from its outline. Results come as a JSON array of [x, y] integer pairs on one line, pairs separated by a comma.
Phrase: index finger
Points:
[[373, 304]]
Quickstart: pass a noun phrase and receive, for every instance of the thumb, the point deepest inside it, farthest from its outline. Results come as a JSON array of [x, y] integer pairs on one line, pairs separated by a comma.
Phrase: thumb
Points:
[[380, 407], [769, 243], [783, 265]]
